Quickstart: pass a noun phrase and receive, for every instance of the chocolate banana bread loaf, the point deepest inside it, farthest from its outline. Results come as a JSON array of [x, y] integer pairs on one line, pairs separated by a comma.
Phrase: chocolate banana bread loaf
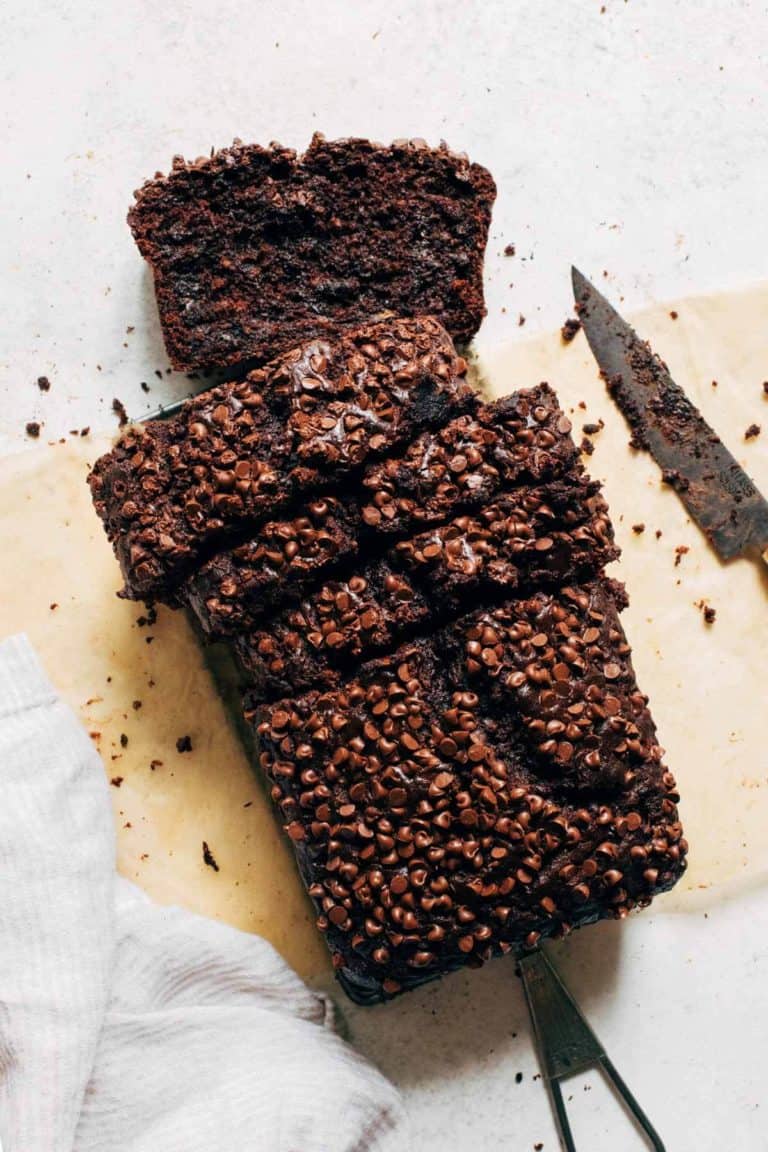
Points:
[[172, 490], [431, 826], [255, 250]]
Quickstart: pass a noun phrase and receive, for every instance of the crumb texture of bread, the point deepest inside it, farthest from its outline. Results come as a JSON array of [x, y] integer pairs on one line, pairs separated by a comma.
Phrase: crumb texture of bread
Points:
[[255, 250]]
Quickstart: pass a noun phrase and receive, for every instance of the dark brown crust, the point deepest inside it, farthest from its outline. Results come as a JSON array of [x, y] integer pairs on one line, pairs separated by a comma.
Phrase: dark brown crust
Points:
[[432, 832], [257, 249], [540, 537], [470, 461], [172, 489]]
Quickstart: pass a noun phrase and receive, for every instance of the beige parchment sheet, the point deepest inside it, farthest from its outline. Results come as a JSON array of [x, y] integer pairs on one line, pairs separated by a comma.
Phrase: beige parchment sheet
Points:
[[707, 683]]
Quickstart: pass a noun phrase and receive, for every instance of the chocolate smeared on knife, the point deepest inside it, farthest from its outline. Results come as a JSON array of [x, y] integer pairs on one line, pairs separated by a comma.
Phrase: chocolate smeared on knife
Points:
[[715, 489]]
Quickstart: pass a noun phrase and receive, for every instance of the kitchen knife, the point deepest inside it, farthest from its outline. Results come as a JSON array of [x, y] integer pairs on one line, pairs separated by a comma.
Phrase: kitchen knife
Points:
[[714, 487]]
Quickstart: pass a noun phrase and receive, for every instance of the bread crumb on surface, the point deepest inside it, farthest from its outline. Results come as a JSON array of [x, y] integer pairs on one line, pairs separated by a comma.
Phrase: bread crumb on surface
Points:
[[570, 328]]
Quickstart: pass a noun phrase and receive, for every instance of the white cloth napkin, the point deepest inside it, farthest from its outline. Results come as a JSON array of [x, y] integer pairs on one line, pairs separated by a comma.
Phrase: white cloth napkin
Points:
[[128, 1027]]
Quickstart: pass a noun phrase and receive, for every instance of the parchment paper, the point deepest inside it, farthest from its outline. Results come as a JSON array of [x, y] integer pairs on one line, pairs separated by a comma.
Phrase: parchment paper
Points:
[[706, 682]]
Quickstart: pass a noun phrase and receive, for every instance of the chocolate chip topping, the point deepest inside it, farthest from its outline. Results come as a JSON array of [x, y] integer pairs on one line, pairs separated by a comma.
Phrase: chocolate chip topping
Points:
[[556, 670], [427, 840], [240, 452], [442, 693], [540, 536]]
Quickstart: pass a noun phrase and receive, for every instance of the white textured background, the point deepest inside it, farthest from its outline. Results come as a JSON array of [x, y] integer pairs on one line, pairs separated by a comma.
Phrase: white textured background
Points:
[[631, 140]]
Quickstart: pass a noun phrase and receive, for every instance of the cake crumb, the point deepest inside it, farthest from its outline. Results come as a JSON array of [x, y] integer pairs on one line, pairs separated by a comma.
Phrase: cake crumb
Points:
[[638, 529], [123, 740], [136, 704], [144, 386], [53, 606], [116, 781], [673, 315], [33, 429], [765, 387], [680, 551], [208, 857], [570, 329], [593, 429], [518, 1077], [586, 446], [184, 744], [709, 614], [753, 431], [43, 383], [509, 250], [658, 533], [520, 320], [119, 409]]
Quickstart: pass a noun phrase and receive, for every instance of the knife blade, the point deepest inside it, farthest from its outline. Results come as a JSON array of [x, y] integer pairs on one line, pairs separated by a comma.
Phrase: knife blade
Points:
[[715, 489]]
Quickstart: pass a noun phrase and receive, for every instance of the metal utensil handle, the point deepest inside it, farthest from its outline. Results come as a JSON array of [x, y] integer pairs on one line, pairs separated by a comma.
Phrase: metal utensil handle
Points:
[[566, 1045]]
